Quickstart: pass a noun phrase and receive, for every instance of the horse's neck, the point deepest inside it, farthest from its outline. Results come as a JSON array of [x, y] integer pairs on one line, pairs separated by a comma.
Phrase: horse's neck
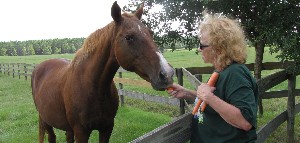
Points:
[[98, 64]]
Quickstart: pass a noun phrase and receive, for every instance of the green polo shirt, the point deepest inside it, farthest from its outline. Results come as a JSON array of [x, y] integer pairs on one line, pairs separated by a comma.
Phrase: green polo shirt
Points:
[[237, 87]]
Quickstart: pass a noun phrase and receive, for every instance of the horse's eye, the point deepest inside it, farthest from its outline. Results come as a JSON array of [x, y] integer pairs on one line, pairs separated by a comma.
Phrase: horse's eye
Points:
[[129, 37]]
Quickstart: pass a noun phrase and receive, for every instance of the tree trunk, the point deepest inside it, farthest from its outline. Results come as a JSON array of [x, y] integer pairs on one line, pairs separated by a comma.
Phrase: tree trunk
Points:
[[259, 50]]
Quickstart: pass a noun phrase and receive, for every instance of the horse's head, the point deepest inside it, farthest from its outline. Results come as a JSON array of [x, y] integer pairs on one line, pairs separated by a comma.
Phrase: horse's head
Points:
[[136, 51]]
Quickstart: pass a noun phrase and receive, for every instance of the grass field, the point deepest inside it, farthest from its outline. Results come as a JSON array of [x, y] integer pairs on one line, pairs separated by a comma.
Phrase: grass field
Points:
[[178, 58], [18, 117]]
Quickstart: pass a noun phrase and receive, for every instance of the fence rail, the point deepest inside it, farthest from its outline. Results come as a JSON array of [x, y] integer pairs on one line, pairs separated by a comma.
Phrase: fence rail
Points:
[[25, 70], [173, 129], [17, 69]]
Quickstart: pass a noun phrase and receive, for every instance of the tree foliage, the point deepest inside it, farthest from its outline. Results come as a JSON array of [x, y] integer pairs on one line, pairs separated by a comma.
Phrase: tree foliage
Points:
[[40, 47], [168, 30], [274, 23]]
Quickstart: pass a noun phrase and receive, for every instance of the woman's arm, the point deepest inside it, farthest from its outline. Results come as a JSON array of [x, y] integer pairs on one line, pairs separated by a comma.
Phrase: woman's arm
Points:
[[180, 92], [228, 112]]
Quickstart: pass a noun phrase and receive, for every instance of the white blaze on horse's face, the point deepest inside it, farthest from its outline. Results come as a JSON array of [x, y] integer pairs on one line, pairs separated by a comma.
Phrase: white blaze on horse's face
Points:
[[164, 64]]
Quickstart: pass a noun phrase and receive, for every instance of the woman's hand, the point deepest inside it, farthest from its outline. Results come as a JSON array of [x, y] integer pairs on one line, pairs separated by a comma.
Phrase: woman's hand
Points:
[[180, 92], [205, 92], [177, 91]]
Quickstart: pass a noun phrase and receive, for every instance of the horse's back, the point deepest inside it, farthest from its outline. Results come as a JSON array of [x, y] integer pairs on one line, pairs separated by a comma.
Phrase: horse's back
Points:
[[46, 69], [50, 65]]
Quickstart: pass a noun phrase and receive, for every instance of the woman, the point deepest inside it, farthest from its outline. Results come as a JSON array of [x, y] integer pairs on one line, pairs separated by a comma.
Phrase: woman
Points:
[[230, 115]]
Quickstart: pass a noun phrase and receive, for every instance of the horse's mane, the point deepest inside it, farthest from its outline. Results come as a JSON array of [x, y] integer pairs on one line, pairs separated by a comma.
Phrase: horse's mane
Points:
[[97, 39]]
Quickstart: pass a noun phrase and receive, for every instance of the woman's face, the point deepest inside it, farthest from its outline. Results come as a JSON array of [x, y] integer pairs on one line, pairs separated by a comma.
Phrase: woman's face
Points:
[[205, 48]]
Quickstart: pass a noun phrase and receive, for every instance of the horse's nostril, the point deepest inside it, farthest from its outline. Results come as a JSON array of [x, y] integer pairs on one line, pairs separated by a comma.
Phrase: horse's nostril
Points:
[[162, 75]]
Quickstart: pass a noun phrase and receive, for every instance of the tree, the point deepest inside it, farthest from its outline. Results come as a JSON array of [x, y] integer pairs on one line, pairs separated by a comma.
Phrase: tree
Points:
[[10, 50], [30, 50], [65, 47], [162, 24], [46, 50], [3, 48], [272, 23], [72, 48], [21, 51], [2, 51], [267, 23]]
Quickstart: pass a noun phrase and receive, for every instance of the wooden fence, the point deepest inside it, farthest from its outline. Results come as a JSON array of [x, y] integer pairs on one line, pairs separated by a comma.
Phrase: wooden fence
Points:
[[17, 69], [25, 70], [178, 130], [120, 80]]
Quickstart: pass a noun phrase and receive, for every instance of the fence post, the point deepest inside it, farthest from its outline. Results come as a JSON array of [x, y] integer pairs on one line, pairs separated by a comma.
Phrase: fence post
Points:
[[179, 75], [13, 70], [33, 67], [199, 77], [291, 108], [8, 70], [4, 68], [0, 67], [25, 71], [121, 87], [19, 71]]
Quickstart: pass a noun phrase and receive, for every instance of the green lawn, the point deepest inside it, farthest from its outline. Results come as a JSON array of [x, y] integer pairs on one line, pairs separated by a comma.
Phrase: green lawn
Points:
[[18, 117], [178, 58]]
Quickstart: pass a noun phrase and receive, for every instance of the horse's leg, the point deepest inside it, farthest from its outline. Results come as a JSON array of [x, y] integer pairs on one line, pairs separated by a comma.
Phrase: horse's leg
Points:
[[70, 136], [45, 127], [51, 134], [41, 131], [81, 134], [104, 135]]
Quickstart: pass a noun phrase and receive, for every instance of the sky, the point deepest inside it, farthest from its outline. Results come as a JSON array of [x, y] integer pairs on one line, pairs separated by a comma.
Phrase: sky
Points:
[[23, 20]]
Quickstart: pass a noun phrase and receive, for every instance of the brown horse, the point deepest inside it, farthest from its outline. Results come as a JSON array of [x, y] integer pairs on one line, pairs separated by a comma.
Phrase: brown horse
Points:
[[79, 96]]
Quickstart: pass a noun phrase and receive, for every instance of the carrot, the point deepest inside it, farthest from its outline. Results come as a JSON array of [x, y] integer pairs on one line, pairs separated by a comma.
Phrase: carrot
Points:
[[197, 107], [211, 82], [170, 89]]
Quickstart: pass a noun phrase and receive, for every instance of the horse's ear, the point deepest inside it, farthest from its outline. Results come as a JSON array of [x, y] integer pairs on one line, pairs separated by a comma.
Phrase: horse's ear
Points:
[[116, 12], [139, 12]]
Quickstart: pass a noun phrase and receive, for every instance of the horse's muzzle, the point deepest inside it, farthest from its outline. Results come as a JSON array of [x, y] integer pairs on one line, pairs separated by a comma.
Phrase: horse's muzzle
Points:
[[164, 80]]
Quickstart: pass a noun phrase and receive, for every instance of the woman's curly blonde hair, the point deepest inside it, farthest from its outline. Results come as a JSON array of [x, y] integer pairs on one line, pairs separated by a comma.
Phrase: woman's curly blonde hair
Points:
[[227, 39]]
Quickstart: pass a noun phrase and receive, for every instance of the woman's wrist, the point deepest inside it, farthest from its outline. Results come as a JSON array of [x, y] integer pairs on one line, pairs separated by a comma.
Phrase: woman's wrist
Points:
[[190, 94]]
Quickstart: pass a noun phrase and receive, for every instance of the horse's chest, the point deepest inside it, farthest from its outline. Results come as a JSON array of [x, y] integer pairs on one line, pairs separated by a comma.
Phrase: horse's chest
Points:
[[102, 107], [99, 112]]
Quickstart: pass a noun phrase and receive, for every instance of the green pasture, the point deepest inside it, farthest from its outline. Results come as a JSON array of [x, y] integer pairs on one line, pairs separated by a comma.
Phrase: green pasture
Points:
[[19, 120], [178, 58]]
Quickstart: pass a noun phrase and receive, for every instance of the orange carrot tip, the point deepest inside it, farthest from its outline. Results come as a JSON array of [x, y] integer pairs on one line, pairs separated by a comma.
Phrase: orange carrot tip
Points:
[[170, 89]]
